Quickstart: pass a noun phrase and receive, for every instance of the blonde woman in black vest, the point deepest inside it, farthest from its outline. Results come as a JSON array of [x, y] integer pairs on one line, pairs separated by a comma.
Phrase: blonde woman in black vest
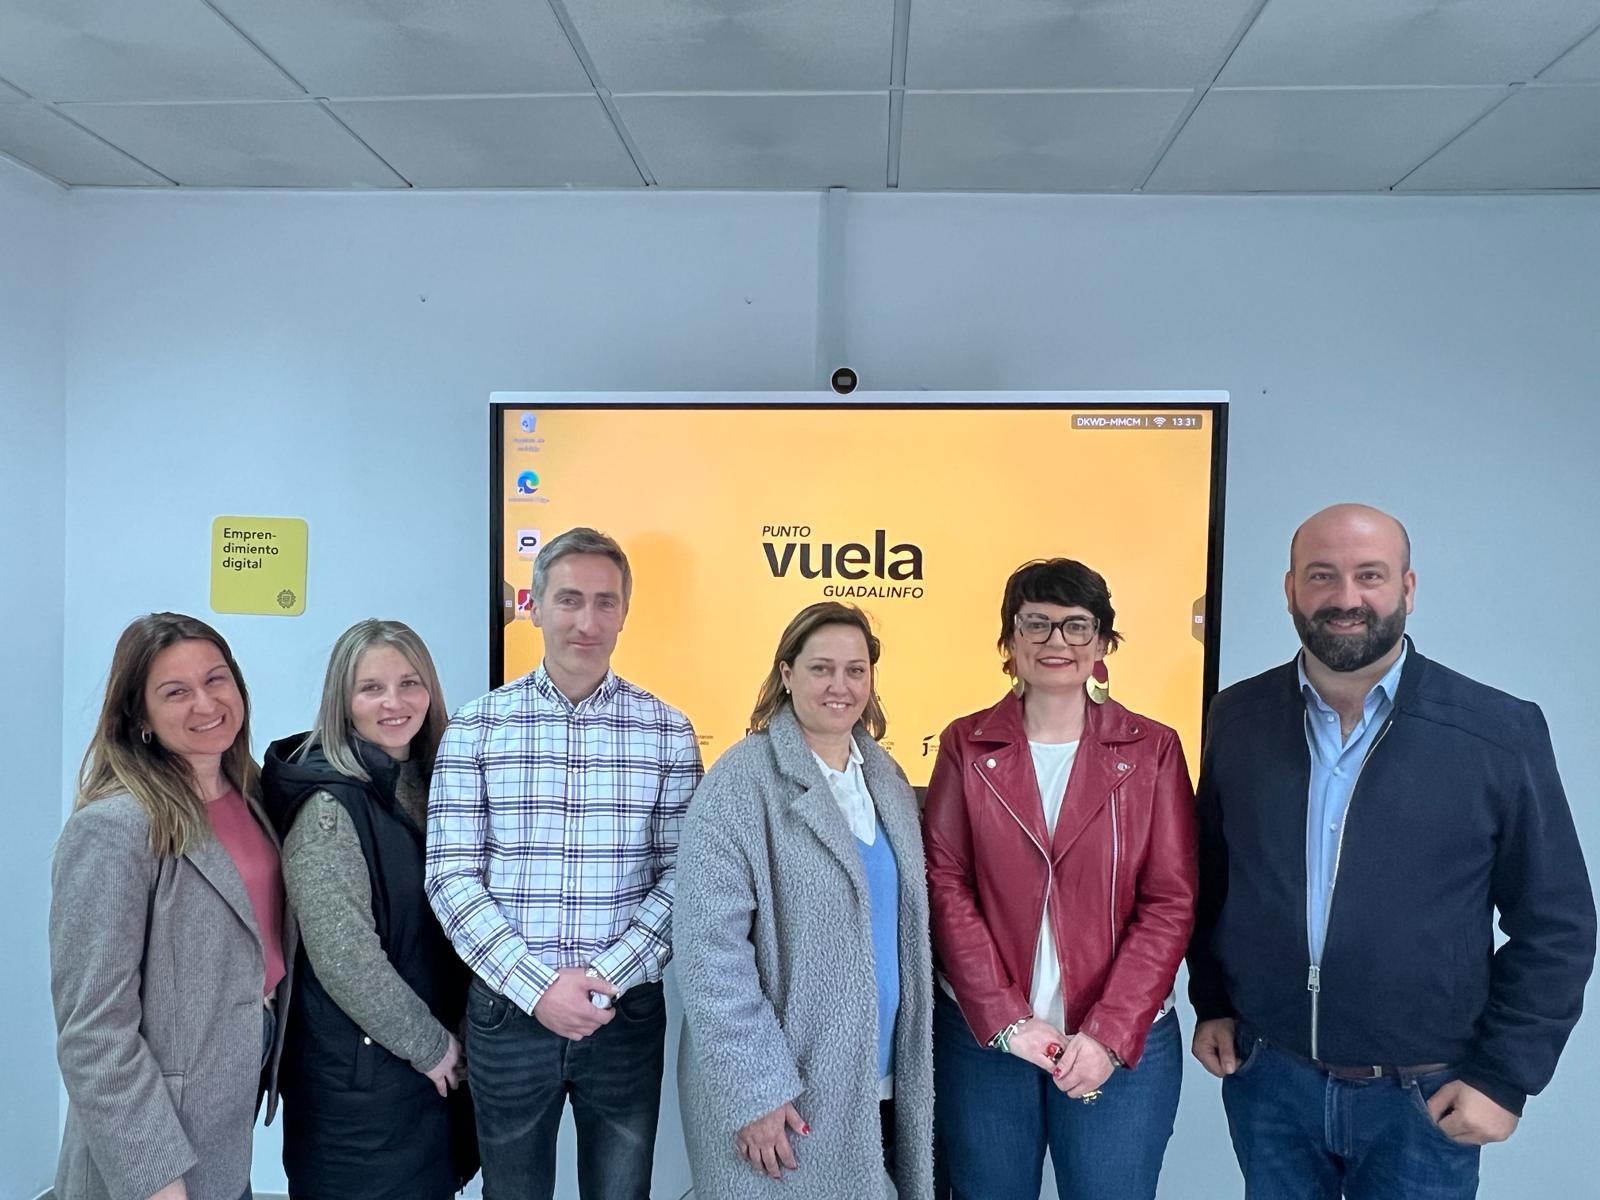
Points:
[[373, 1062]]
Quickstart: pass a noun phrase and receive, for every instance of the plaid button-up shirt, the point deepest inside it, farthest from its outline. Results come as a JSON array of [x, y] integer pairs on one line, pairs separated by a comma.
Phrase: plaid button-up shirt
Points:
[[553, 833]]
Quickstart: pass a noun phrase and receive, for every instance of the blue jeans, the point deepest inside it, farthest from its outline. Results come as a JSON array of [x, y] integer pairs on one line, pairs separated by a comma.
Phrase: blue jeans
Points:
[[522, 1075], [1301, 1134], [269, 1027], [994, 1115]]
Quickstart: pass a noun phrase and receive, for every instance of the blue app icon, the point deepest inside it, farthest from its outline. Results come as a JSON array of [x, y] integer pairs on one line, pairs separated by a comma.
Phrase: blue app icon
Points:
[[530, 422], [527, 483]]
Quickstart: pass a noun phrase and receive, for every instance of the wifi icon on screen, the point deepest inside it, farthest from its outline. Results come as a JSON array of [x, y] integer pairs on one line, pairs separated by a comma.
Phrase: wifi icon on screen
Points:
[[1158, 422]]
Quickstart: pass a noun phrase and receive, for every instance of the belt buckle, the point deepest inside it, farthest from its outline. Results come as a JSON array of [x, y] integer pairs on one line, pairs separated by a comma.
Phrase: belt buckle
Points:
[[1352, 1074]]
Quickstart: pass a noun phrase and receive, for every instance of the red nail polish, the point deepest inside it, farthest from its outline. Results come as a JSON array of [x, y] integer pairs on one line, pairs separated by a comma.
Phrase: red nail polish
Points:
[[805, 1129]]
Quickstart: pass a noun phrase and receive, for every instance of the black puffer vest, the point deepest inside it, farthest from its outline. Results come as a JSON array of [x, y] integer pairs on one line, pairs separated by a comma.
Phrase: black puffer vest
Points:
[[359, 1122]]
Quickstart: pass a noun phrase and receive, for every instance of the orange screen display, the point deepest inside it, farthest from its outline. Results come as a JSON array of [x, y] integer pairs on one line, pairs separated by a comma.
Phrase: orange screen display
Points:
[[734, 518]]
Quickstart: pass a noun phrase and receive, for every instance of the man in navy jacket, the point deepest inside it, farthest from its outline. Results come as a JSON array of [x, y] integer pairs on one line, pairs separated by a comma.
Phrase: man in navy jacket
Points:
[[1364, 812]]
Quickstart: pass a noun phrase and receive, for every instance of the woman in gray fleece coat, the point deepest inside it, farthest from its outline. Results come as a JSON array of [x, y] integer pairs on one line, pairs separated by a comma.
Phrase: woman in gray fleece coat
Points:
[[801, 937]]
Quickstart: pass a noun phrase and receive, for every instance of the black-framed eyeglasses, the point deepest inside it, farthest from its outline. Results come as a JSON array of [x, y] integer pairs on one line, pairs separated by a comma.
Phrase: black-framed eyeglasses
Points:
[[1075, 631]]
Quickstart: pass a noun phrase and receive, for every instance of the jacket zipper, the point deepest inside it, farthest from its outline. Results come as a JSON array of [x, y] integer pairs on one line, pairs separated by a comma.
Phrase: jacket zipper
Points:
[[1010, 810], [1115, 856], [1314, 973], [1049, 874]]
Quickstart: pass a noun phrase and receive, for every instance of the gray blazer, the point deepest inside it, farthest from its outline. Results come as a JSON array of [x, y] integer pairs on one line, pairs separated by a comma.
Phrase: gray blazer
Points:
[[773, 942], [155, 970]]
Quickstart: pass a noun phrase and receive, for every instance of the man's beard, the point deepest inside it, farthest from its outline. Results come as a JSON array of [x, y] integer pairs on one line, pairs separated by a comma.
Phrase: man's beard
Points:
[[1349, 651]]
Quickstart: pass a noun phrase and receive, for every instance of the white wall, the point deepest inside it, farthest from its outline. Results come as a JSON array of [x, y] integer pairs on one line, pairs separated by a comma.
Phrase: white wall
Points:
[[1437, 357], [330, 356], [32, 454]]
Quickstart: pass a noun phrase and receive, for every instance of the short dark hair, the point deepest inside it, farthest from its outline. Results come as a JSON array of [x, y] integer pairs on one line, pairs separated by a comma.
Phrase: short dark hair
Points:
[[1063, 581]]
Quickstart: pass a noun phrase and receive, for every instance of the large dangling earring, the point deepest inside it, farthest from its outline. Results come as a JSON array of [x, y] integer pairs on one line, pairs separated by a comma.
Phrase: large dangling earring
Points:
[[1098, 685], [144, 735]]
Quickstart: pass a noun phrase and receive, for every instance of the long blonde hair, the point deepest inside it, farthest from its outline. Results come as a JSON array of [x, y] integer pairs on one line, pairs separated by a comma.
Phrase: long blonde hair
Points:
[[771, 698], [335, 732], [120, 760]]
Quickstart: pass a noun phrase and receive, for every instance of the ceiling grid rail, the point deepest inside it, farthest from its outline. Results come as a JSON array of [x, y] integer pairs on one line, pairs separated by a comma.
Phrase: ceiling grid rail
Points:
[[320, 101], [897, 89], [1199, 96], [55, 109], [1511, 91], [603, 93], [1235, 97]]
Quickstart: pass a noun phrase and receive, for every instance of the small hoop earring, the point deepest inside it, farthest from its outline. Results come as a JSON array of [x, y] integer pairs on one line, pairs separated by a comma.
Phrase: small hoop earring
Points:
[[144, 736]]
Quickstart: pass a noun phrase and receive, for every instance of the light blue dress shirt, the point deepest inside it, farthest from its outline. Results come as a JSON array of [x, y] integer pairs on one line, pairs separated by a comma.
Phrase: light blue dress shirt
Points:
[[1336, 763]]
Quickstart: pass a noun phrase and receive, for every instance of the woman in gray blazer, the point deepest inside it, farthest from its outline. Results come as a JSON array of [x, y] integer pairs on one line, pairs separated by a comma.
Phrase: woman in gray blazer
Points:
[[800, 929], [167, 955]]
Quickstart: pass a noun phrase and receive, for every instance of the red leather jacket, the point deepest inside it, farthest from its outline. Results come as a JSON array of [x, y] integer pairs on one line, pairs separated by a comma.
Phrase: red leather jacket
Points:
[[1117, 879]]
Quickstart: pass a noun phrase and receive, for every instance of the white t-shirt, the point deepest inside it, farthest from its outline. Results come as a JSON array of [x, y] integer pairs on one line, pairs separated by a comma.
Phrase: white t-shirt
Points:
[[1052, 764]]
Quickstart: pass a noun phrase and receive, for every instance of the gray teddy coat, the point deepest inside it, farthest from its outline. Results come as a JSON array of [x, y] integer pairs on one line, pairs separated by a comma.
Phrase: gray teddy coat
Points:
[[773, 941]]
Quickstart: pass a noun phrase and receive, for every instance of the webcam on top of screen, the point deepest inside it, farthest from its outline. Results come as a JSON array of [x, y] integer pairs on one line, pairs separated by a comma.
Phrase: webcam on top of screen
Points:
[[843, 381]]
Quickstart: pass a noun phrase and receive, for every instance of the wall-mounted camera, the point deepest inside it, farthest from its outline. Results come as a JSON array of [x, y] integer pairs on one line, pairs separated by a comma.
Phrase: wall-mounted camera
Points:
[[844, 381]]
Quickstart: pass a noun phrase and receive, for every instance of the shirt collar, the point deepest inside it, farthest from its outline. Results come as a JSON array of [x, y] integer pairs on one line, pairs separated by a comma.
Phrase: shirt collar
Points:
[[855, 761], [1388, 687], [539, 680]]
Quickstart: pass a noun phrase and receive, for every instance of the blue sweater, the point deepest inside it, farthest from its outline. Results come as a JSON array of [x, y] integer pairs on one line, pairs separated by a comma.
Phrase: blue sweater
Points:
[[883, 884]]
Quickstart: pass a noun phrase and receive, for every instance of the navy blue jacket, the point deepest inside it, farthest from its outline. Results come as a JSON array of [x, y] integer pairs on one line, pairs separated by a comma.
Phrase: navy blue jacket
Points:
[[1458, 812]]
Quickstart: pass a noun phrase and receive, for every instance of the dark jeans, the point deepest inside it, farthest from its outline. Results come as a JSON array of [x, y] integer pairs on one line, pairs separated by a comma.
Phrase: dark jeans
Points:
[[269, 1026], [1300, 1134], [522, 1074], [995, 1114]]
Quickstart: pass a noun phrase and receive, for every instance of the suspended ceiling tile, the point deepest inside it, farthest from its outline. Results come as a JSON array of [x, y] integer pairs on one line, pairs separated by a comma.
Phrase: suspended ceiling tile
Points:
[[239, 145], [1581, 63], [738, 45], [413, 47], [1034, 141], [1401, 42], [1069, 43], [131, 50], [1542, 137], [534, 141], [752, 141], [1313, 140], [36, 135]]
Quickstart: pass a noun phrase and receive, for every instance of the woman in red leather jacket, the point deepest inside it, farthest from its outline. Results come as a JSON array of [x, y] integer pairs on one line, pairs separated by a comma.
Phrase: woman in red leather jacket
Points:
[[1060, 839]]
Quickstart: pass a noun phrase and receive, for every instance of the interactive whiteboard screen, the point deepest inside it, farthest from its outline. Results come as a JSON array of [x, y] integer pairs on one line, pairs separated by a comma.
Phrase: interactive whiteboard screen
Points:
[[735, 516]]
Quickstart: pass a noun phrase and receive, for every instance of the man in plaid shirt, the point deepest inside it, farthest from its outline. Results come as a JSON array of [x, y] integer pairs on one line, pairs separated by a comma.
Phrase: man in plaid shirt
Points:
[[552, 843]]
